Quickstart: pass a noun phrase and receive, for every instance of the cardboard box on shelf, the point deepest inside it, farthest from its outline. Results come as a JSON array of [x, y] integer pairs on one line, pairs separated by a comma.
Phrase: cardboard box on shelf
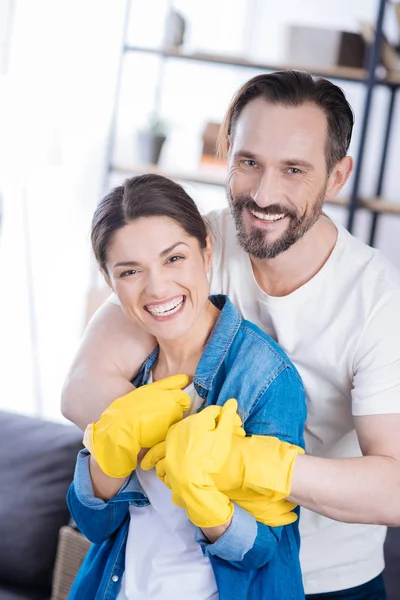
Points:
[[317, 47], [210, 136]]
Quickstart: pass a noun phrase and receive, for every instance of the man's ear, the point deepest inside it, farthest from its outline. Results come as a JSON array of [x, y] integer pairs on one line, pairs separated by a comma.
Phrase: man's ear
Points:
[[208, 253], [339, 176]]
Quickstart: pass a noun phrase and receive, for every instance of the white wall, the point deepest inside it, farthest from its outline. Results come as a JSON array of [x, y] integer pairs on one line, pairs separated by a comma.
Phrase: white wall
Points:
[[56, 103], [55, 108]]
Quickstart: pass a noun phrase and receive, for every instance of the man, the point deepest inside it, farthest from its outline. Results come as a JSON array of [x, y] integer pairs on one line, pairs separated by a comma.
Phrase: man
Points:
[[330, 301]]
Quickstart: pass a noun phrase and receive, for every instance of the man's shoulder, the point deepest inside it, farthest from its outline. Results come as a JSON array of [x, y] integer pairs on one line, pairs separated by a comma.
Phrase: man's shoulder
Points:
[[220, 225], [370, 262], [368, 266]]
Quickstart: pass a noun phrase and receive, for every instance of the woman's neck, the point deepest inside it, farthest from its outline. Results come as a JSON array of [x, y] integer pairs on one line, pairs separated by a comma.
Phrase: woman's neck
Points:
[[182, 355]]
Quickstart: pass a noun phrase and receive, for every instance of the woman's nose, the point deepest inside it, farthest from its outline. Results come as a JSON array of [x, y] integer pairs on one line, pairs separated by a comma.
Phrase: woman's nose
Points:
[[157, 284]]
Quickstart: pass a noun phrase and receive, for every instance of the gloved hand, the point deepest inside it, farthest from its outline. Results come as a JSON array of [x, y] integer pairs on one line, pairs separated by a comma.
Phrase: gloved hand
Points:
[[195, 449], [259, 463], [256, 476], [140, 419], [270, 509]]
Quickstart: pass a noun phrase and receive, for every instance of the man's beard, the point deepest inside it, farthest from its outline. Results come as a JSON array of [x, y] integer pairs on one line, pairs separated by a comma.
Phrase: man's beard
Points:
[[255, 240]]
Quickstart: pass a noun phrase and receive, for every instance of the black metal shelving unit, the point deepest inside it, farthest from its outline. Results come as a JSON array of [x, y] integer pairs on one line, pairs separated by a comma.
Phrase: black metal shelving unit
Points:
[[367, 77]]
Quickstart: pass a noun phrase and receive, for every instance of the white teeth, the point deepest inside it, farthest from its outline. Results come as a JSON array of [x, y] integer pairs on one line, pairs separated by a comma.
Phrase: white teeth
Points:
[[169, 308], [265, 217]]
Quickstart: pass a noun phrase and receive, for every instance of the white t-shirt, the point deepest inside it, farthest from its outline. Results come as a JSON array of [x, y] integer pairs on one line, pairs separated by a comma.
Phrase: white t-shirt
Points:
[[162, 559], [342, 331]]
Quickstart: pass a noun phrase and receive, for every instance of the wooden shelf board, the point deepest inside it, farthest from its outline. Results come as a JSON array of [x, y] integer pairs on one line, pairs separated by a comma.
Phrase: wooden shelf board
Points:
[[373, 204], [206, 177], [343, 73]]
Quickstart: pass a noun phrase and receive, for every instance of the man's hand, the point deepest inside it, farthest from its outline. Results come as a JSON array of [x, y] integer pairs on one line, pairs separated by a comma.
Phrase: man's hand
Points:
[[256, 475], [138, 420]]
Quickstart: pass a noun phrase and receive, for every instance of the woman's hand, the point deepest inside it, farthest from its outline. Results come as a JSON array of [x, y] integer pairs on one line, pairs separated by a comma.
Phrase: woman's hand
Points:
[[195, 449], [137, 420], [256, 475]]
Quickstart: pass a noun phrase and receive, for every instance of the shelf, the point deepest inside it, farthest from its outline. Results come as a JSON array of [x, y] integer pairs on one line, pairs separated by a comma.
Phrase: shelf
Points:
[[218, 178], [205, 177], [343, 73]]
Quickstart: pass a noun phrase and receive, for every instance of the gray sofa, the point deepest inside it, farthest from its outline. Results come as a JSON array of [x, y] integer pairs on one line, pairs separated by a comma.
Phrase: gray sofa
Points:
[[37, 460], [392, 560]]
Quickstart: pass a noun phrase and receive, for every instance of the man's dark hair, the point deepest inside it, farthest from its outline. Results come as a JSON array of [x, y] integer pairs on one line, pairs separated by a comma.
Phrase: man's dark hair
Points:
[[294, 88], [144, 196]]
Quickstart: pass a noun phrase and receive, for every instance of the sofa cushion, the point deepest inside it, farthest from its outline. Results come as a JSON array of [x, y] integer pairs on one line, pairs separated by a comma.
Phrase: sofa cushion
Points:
[[391, 573], [37, 461], [11, 592]]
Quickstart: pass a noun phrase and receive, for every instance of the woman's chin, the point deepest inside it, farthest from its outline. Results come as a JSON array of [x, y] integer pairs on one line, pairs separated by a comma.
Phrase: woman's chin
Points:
[[171, 329]]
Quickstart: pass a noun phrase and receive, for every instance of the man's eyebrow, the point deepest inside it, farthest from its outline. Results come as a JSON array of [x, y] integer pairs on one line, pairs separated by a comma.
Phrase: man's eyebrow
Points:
[[287, 162], [245, 154], [297, 162], [133, 263]]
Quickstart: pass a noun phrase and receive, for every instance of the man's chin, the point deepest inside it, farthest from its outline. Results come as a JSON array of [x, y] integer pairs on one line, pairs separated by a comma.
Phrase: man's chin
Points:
[[265, 248]]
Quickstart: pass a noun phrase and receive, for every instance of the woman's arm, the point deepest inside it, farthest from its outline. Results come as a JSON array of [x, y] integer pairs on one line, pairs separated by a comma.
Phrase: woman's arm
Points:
[[280, 412], [95, 518], [111, 353], [247, 544], [104, 487]]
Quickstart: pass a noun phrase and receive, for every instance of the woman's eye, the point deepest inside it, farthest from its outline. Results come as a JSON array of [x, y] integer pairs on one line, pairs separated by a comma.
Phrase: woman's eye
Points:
[[128, 272], [174, 259]]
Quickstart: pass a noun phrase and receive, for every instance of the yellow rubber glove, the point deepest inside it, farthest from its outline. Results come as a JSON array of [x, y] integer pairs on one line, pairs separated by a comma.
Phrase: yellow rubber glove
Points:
[[273, 510], [255, 465], [195, 449], [259, 463], [137, 420]]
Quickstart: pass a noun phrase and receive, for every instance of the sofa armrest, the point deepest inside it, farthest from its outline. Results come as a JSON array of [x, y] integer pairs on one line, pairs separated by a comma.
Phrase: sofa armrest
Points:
[[71, 550]]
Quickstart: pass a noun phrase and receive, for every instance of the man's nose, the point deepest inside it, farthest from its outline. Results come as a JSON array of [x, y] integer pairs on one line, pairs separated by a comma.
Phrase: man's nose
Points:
[[267, 191]]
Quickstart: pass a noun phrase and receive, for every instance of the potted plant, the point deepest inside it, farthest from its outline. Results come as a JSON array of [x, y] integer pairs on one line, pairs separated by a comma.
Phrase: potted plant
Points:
[[151, 140]]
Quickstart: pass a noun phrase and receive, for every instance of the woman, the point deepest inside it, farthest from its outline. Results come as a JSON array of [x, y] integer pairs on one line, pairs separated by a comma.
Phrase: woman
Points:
[[193, 542]]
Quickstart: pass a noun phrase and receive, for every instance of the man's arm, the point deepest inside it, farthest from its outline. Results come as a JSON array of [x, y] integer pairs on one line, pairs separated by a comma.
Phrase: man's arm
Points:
[[364, 489], [111, 353], [355, 490]]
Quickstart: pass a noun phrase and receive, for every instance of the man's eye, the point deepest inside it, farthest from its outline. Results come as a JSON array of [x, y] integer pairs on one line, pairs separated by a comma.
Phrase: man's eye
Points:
[[294, 171], [249, 163], [128, 272]]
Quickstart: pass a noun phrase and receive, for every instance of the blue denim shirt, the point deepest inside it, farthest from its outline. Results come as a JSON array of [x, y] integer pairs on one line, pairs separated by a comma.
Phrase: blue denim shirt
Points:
[[250, 560]]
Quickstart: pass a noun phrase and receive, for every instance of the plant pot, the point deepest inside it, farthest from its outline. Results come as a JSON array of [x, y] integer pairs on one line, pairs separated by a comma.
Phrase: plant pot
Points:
[[149, 147]]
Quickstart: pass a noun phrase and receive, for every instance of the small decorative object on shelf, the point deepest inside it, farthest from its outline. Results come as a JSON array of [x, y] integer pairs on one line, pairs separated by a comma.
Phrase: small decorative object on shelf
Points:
[[150, 141], [210, 135], [319, 47], [175, 28]]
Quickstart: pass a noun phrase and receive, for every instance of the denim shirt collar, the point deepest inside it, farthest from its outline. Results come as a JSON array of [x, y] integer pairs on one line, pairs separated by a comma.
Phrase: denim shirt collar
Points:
[[215, 350]]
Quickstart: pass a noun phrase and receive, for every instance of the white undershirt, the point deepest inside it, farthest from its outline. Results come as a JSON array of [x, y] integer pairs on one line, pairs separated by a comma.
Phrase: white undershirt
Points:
[[162, 559]]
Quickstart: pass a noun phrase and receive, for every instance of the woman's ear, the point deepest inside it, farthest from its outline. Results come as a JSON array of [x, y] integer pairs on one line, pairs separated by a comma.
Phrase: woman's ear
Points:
[[106, 278], [208, 253]]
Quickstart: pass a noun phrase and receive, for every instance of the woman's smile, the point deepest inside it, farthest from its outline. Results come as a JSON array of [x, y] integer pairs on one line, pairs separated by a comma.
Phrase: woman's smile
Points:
[[162, 311]]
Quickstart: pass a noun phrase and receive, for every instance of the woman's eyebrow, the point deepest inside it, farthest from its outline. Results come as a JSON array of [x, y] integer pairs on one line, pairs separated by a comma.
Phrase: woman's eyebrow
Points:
[[168, 250], [133, 263]]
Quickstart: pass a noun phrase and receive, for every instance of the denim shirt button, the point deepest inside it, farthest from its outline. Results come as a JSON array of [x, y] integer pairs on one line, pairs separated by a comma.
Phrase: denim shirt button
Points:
[[115, 578]]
